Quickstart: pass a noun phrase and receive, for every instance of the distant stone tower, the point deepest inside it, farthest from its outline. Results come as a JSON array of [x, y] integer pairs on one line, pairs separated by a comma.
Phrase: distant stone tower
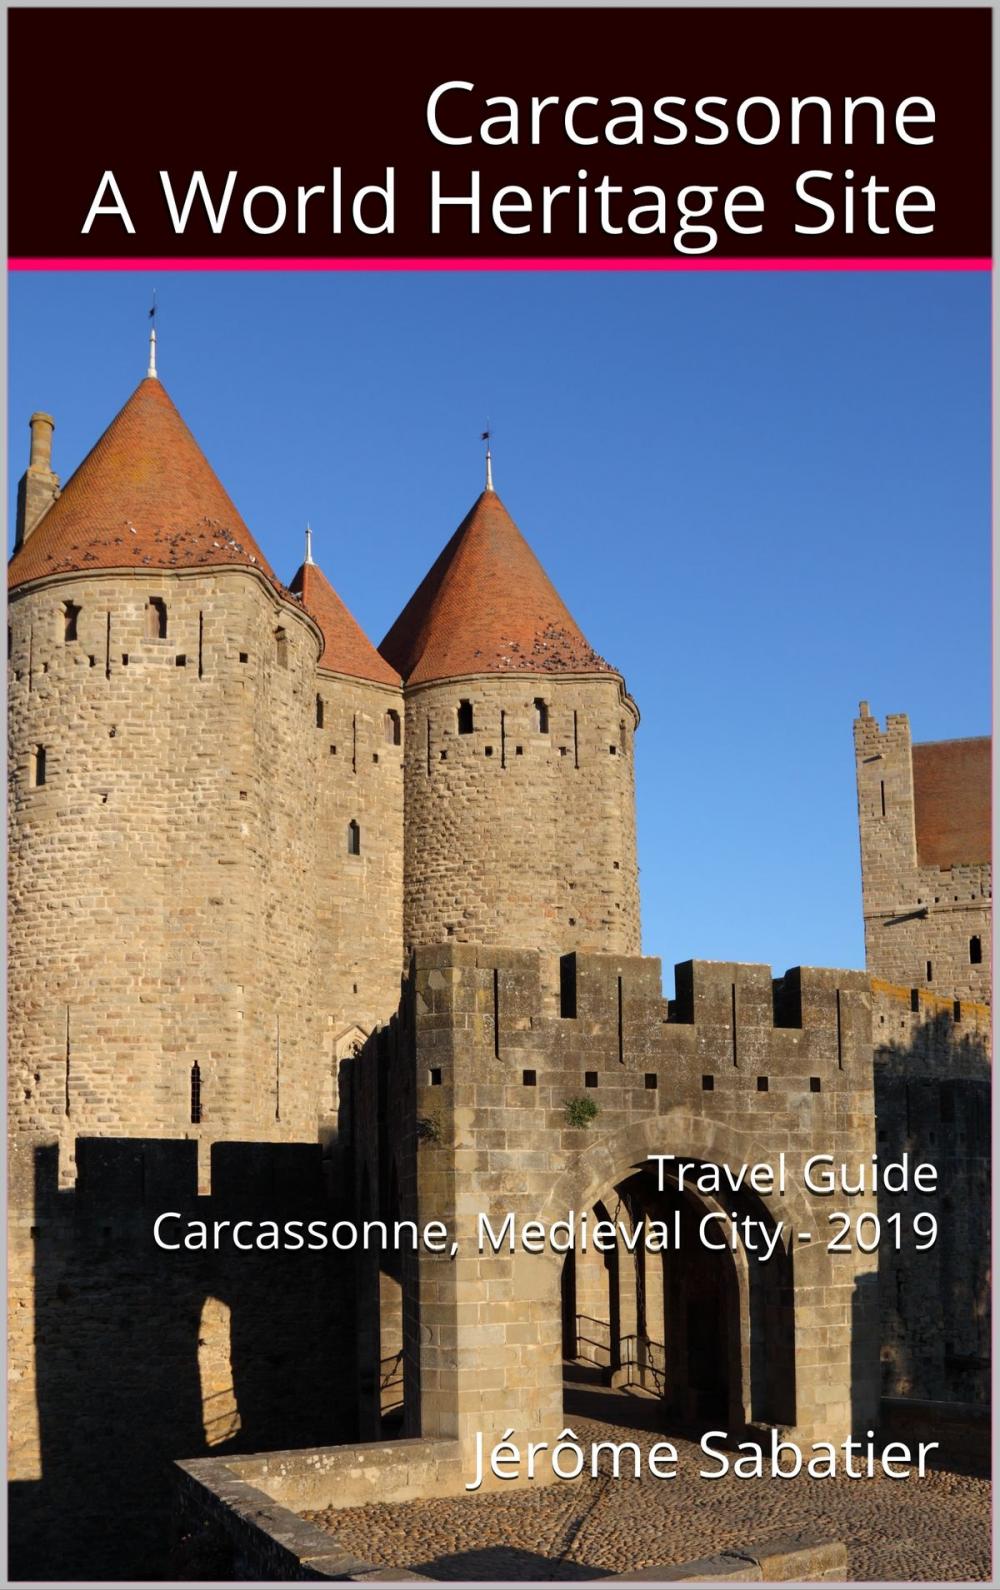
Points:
[[205, 811], [924, 813], [520, 803]]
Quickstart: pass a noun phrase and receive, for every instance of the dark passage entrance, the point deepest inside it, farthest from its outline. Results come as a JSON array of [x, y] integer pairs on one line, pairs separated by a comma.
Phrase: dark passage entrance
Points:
[[706, 1331]]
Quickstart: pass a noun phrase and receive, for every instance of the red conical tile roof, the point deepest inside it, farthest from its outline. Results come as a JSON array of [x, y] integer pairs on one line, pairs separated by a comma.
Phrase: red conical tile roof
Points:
[[487, 606], [346, 647], [144, 497]]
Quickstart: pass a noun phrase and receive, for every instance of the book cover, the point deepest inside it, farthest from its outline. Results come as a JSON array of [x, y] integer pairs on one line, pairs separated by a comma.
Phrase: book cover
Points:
[[499, 871]]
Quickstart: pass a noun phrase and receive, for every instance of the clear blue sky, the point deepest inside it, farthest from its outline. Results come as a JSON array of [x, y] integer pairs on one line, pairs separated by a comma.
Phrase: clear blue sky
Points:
[[763, 497]]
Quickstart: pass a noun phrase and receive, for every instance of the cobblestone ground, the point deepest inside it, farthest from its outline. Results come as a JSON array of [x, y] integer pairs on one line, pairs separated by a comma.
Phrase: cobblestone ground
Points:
[[935, 1528]]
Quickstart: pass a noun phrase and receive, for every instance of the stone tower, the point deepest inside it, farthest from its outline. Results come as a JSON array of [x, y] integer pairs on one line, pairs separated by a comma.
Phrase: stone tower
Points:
[[924, 813], [205, 809], [356, 722], [520, 803]]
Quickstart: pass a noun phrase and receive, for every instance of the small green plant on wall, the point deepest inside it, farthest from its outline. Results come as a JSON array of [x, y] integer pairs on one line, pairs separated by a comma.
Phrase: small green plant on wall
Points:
[[580, 1111]]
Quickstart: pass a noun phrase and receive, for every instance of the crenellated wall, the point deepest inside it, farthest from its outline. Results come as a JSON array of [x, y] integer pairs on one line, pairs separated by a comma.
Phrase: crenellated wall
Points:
[[122, 1355], [518, 835], [733, 1072]]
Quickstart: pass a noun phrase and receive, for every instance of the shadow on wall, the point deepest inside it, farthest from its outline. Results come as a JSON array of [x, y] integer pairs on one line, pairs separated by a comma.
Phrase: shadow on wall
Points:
[[932, 1101], [143, 1356]]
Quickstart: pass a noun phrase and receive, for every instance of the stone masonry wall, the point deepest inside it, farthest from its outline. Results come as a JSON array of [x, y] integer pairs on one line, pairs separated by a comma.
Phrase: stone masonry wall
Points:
[[492, 1076], [359, 900], [932, 1100], [516, 835], [931, 1024]]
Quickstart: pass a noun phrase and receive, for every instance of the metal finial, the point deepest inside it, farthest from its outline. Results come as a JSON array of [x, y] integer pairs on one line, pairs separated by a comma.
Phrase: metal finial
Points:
[[151, 372], [309, 544], [486, 437]]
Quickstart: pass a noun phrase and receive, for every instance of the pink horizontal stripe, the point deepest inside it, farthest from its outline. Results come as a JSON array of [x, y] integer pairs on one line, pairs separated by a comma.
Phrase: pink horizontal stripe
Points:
[[701, 263]]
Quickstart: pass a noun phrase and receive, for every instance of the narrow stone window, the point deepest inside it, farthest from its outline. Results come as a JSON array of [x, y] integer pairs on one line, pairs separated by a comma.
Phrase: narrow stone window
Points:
[[708, 1084], [914, 1000], [281, 647], [815, 1085], [541, 715], [244, 656], [195, 1094], [181, 659], [612, 750], [434, 1076], [70, 614], [590, 1079], [319, 712], [393, 728], [496, 1013], [156, 618], [930, 971], [882, 787], [975, 950], [465, 719], [353, 838], [651, 1081], [567, 985], [762, 1084], [529, 1079], [38, 761], [956, 1010]]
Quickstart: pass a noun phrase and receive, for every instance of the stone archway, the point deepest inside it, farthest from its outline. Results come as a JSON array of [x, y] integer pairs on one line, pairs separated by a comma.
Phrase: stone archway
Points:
[[708, 1332], [711, 1333]]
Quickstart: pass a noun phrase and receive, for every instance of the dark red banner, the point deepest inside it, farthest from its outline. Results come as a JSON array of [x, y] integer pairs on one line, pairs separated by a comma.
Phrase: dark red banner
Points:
[[504, 134]]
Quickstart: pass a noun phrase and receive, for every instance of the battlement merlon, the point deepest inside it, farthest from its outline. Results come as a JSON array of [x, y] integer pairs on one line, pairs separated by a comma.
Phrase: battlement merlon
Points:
[[870, 739], [479, 1006]]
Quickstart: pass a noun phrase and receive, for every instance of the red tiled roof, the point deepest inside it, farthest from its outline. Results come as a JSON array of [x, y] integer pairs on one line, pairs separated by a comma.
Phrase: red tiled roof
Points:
[[951, 799], [346, 647], [487, 606], [145, 496]]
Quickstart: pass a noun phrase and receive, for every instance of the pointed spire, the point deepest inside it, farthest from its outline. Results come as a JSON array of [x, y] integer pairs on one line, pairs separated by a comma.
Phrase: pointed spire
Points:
[[151, 374], [309, 544], [145, 496], [487, 437], [346, 647], [487, 606]]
